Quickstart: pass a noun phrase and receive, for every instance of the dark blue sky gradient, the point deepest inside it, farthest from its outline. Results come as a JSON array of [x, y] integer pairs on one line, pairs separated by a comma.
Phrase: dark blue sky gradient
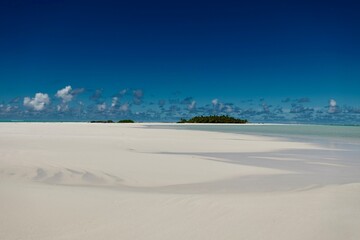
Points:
[[230, 50]]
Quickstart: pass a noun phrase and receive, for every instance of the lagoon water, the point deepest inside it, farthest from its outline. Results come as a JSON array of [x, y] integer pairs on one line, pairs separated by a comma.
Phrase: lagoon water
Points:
[[346, 133], [335, 161]]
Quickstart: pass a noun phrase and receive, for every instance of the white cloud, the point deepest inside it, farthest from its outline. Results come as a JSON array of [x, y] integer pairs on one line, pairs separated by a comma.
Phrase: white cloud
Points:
[[217, 105], [6, 108], [221, 106], [38, 102], [229, 109], [65, 94], [114, 101], [124, 107], [101, 107], [123, 92], [332, 103], [77, 91], [62, 108], [192, 105], [332, 106], [215, 102]]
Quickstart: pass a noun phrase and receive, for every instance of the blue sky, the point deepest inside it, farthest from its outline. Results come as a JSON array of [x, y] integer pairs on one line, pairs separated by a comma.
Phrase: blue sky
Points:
[[267, 61]]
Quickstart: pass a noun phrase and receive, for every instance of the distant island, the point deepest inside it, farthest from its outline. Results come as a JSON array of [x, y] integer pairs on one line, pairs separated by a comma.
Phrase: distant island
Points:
[[126, 121], [102, 121], [111, 121], [214, 119]]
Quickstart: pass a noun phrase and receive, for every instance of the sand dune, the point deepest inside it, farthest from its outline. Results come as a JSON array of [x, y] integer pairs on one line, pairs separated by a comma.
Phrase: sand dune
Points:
[[119, 181]]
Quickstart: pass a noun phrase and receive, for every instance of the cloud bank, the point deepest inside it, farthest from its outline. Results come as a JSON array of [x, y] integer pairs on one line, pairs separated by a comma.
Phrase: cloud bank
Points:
[[126, 103], [65, 94], [37, 103]]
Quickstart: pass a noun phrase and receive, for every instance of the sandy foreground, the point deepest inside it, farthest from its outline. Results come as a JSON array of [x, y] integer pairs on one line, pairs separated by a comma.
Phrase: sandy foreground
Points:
[[126, 181]]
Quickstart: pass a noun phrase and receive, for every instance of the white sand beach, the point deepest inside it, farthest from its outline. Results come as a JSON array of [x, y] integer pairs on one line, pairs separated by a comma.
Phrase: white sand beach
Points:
[[126, 181]]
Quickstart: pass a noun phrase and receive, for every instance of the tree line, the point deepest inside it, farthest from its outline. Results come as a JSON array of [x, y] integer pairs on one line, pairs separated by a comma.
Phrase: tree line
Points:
[[111, 121], [213, 119]]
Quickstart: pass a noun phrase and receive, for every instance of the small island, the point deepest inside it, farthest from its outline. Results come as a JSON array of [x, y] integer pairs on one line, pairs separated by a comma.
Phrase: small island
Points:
[[102, 121], [126, 121], [214, 119], [111, 121]]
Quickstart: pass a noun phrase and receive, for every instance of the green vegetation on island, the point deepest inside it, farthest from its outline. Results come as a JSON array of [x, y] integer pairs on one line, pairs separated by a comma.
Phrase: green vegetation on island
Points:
[[126, 121], [102, 121], [214, 119], [111, 121]]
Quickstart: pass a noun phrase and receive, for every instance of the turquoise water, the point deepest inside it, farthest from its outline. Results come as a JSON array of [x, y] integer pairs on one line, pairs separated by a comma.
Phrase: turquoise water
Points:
[[334, 160], [351, 133]]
